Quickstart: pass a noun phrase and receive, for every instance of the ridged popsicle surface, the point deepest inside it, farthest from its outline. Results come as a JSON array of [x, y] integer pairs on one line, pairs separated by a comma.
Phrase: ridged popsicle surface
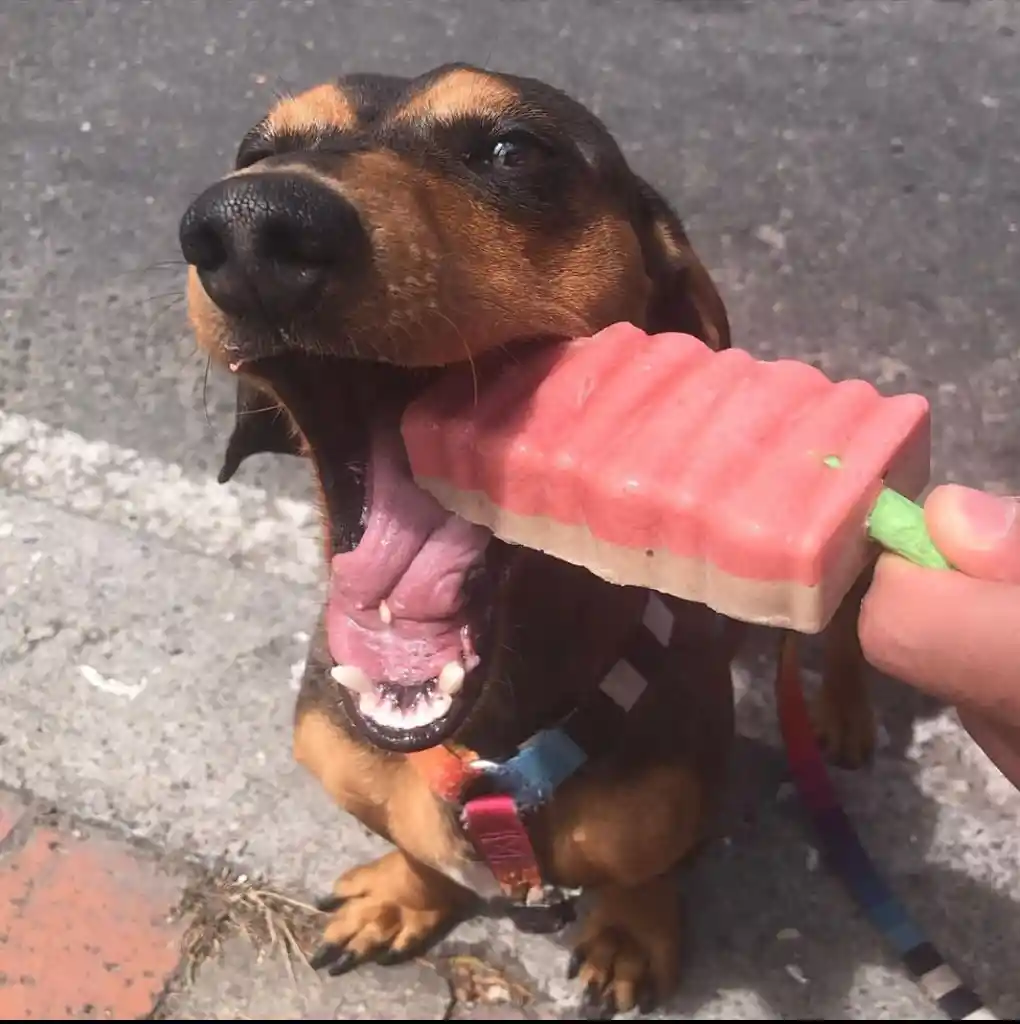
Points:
[[656, 461]]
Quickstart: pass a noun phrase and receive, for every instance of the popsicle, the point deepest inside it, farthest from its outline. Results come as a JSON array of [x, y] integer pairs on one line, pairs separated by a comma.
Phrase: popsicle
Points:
[[754, 487]]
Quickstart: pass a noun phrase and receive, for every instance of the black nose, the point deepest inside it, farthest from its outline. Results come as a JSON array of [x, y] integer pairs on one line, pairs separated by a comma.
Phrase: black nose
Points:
[[264, 244]]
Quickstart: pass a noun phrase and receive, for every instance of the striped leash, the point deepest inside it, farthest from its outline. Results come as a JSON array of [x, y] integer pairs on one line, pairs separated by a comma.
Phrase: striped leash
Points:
[[850, 861]]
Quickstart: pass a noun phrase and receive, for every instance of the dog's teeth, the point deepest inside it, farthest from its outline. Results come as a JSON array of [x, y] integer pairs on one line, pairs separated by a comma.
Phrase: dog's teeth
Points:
[[451, 679], [353, 678], [370, 704], [441, 703], [389, 715], [384, 613]]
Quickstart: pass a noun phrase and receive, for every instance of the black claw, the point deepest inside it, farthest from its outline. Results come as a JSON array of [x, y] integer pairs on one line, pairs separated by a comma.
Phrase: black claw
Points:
[[574, 964], [325, 955], [646, 999], [347, 961], [389, 957], [596, 1003], [330, 903]]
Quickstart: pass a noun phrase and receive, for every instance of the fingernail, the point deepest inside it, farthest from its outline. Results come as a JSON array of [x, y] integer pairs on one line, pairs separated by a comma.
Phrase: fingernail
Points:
[[987, 518]]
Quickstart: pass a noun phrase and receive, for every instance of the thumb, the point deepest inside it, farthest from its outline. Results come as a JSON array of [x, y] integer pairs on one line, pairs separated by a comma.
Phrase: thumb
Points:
[[979, 533]]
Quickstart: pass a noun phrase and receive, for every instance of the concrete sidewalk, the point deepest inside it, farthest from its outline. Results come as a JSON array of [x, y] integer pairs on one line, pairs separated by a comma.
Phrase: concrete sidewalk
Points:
[[147, 642]]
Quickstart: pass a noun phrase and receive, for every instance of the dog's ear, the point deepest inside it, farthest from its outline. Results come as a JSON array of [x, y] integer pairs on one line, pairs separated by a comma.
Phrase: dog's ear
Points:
[[684, 297], [260, 425]]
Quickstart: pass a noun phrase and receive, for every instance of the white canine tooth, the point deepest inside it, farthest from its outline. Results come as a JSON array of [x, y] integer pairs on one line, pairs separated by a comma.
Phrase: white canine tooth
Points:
[[369, 704], [451, 679], [441, 703], [353, 678], [384, 613]]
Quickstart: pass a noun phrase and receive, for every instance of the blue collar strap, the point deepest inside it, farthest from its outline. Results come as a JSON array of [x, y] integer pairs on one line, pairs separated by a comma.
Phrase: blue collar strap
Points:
[[544, 762]]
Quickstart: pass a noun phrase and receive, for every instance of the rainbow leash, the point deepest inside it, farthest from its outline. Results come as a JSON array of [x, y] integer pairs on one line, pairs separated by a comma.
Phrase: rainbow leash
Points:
[[848, 858]]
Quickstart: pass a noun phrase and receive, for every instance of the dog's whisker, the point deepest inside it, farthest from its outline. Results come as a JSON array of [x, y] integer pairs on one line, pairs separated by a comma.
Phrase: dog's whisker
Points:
[[161, 266], [174, 297], [205, 391], [276, 407], [163, 301], [167, 304], [474, 374], [159, 316], [170, 264]]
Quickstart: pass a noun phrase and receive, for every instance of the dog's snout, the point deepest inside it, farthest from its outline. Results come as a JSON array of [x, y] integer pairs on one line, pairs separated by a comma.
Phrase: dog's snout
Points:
[[265, 244]]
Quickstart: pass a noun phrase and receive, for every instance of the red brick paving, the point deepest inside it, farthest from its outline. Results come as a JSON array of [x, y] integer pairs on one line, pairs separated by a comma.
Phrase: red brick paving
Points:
[[84, 930]]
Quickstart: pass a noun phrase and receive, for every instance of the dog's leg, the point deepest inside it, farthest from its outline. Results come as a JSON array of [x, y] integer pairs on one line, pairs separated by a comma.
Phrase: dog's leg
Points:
[[621, 837], [392, 907], [843, 713]]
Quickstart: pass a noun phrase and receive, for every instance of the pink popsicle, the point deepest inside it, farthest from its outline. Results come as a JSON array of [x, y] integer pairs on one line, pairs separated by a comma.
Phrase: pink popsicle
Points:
[[656, 462]]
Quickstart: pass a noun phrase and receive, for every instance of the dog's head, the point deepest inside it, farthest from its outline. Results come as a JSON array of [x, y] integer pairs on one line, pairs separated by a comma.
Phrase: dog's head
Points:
[[375, 230]]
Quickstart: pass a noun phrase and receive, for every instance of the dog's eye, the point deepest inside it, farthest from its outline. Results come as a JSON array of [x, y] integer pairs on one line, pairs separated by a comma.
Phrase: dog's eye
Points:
[[513, 151]]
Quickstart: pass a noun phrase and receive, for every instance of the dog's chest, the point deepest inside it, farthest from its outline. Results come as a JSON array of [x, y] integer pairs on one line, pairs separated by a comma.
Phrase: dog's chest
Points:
[[495, 803]]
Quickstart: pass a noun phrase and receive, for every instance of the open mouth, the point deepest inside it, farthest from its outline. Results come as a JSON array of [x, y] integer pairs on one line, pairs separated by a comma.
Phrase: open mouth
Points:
[[412, 587]]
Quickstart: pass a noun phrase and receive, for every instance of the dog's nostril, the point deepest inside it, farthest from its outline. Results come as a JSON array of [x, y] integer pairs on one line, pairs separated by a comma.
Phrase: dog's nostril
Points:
[[286, 240], [202, 245]]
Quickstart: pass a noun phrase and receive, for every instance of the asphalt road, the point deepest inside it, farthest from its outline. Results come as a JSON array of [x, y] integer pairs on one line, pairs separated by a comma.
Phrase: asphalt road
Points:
[[851, 172]]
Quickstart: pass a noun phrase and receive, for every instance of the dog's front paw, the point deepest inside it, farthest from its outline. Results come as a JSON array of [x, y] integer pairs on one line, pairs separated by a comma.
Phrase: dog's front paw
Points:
[[386, 911], [629, 950]]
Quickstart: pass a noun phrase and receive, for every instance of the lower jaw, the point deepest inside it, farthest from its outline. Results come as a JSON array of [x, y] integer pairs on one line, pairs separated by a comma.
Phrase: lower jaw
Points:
[[434, 722], [406, 717]]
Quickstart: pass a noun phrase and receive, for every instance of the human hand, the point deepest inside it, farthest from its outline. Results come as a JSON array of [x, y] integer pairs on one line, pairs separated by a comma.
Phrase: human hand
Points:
[[956, 635]]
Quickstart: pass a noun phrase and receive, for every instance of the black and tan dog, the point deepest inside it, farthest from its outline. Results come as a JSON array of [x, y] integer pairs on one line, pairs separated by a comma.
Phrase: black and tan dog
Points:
[[375, 230]]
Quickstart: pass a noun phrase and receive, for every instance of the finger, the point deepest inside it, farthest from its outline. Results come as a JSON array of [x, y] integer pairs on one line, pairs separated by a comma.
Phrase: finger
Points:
[[1001, 743], [955, 637], [979, 533]]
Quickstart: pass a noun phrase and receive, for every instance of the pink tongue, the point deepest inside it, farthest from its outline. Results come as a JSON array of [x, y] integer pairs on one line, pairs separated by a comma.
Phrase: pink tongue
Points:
[[415, 556]]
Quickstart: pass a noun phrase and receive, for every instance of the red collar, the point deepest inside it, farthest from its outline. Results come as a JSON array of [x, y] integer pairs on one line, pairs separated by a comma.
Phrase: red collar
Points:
[[493, 823]]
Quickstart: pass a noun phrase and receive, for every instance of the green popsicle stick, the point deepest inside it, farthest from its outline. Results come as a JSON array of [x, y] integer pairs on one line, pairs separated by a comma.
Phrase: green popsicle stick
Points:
[[897, 523]]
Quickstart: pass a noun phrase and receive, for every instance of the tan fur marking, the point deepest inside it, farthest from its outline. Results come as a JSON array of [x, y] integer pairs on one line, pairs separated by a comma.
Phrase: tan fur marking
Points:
[[704, 298], [624, 831], [671, 246], [602, 276], [384, 791], [317, 109], [357, 778], [460, 93]]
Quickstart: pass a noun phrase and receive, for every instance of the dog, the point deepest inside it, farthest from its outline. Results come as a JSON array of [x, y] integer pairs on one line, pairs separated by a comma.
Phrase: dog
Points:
[[375, 230]]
